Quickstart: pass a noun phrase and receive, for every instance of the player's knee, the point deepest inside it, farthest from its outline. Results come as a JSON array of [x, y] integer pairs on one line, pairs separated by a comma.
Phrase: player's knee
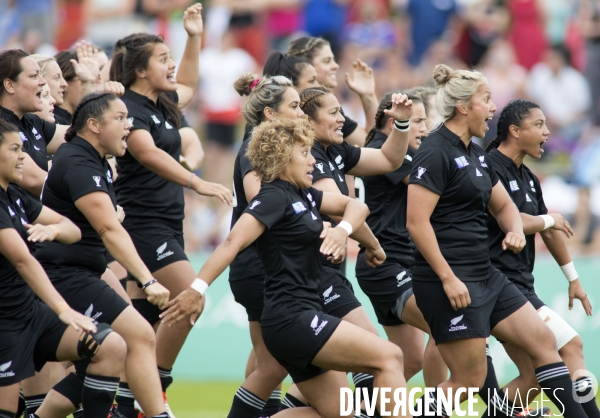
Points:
[[413, 364], [391, 357], [573, 349], [142, 334], [113, 348]]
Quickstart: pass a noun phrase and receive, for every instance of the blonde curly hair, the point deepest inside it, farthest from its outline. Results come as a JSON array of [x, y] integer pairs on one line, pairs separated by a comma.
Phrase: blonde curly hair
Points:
[[272, 143]]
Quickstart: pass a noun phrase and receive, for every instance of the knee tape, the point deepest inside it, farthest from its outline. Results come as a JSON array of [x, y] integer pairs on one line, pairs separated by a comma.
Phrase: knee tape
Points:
[[89, 343], [70, 387], [563, 332]]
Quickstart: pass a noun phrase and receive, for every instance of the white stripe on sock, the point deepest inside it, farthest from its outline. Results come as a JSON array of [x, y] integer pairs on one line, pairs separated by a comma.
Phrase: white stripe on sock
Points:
[[249, 398]]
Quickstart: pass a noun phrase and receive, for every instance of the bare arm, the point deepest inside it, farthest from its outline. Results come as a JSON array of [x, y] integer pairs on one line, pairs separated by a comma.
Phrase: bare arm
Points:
[[33, 177], [357, 138], [57, 140], [251, 185], [361, 81], [16, 252], [191, 149], [507, 215], [533, 224], [189, 67], [390, 156], [100, 213], [50, 226], [141, 145], [555, 242]]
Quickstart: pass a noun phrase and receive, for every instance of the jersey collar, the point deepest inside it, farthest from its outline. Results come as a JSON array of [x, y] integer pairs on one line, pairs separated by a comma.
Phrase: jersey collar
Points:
[[89, 148], [10, 116]]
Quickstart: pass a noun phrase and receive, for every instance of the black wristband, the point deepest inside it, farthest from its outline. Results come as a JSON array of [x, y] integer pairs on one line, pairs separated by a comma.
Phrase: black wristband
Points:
[[150, 283]]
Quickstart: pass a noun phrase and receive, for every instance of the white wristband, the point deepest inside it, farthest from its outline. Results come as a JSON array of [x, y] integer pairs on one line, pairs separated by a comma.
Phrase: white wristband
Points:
[[346, 227], [569, 271], [548, 221], [199, 286]]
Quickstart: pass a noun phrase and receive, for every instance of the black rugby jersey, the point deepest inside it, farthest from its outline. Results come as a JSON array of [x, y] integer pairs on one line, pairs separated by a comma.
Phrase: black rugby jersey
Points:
[[62, 116], [247, 263], [385, 195], [36, 134], [334, 162], [463, 179], [289, 248], [17, 207], [524, 188], [78, 170], [140, 192], [349, 125]]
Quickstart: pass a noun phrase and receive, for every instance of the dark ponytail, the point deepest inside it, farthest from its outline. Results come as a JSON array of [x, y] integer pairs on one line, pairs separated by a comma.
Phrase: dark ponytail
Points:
[[91, 106], [131, 55], [513, 114], [290, 67]]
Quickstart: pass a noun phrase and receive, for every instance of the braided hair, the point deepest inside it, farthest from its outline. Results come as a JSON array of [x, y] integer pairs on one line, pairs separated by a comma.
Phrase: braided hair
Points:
[[513, 114], [91, 106], [307, 46], [311, 101]]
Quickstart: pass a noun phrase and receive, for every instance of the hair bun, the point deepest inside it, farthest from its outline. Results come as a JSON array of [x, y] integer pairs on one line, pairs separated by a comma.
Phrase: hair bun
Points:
[[442, 74], [243, 83]]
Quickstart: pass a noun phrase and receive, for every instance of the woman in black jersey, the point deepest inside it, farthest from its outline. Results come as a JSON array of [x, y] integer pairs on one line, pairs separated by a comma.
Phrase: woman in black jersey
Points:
[[268, 98], [522, 131], [20, 93], [462, 296], [318, 52], [32, 332], [389, 286], [80, 186], [151, 179], [336, 158], [284, 220]]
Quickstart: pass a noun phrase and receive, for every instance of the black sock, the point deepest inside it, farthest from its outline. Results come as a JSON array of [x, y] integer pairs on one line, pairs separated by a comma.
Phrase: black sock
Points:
[[125, 401], [245, 405], [363, 380], [8, 414], [290, 401], [163, 415], [556, 382], [98, 395], [272, 405], [32, 403], [165, 378], [491, 393], [21, 406], [431, 407], [585, 396], [78, 413]]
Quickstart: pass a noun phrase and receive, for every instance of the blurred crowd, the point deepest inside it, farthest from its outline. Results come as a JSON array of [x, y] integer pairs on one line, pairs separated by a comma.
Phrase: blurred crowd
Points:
[[545, 50]]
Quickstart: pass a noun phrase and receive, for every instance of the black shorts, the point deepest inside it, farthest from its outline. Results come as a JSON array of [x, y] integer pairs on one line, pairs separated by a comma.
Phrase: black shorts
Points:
[[296, 342], [24, 352], [384, 285], [86, 293], [157, 243], [531, 296], [492, 300], [337, 293], [221, 133], [249, 292]]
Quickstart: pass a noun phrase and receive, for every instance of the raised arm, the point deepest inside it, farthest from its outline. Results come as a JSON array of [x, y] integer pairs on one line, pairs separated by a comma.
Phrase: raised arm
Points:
[[507, 215], [361, 81], [100, 213], [391, 154], [141, 145], [189, 67], [16, 252], [51, 226]]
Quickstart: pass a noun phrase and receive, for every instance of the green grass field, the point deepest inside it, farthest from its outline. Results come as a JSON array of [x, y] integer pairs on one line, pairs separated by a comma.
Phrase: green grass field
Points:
[[213, 399]]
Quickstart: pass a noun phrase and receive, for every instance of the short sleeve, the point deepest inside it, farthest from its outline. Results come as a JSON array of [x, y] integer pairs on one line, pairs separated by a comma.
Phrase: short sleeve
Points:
[[493, 175], [48, 130], [137, 117], [183, 123], [322, 168], [352, 156], [268, 206], [5, 221], [396, 177], [317, 195], [430, 169], [33, 207], [82, 180], [349, 126]]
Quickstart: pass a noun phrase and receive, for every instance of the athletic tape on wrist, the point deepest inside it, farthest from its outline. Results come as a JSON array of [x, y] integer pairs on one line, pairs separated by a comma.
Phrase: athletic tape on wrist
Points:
[[569, 271], [548, 221], [199, 286], [346, 227]]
